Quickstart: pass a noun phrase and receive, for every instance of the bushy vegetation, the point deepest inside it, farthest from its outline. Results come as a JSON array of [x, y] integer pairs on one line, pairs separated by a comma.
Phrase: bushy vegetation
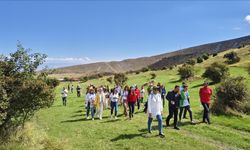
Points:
[[191, 62], [120, 79], [145, 69], [231, 95], [199, 60], [205, 56], [232, 58], [186, 72], [216, 72], [21, 91], [153, 75], [215, 54], [110, 80]]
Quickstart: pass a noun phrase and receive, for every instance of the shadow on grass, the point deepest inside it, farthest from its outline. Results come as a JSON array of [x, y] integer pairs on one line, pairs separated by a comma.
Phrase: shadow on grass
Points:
[[74, 120], [126, 136], [79, 115], [200, 85], [175, 81], [109, 121]]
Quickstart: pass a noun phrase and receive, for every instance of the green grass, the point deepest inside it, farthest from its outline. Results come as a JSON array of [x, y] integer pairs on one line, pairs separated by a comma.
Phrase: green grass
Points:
[[68, 126]]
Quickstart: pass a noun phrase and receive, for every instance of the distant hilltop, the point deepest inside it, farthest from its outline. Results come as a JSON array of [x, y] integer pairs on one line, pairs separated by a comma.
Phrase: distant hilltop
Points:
[[153, 62]]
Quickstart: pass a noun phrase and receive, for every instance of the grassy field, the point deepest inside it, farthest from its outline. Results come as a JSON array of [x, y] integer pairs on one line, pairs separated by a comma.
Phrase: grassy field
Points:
[[68, 128]]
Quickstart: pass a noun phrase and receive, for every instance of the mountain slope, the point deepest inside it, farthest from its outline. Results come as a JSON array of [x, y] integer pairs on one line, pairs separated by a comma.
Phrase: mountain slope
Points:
[[156, 62]]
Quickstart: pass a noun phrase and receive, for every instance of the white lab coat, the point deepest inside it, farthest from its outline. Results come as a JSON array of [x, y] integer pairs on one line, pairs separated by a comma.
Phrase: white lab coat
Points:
[[155, 104]]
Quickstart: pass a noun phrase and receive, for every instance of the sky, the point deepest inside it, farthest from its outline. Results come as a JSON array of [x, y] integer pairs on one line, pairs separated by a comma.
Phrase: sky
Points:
[[79, 32]]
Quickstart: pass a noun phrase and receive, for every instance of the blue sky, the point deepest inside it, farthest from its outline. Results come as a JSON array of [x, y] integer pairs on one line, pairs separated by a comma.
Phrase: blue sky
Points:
[[79, 32]]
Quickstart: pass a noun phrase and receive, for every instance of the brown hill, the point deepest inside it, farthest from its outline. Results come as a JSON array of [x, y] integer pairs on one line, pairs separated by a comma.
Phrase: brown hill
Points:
[[154, 62]]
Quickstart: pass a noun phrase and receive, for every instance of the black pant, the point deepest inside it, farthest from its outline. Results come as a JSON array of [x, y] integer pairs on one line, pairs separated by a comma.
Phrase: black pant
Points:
[[173, 111], [78, 93], [88, 108], [131, 109], [187, 108], [138, 103], [64, 99], [185, 113], [206, 112]]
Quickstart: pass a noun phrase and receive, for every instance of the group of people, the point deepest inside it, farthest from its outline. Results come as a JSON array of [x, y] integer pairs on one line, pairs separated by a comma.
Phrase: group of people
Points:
[[99, 98]]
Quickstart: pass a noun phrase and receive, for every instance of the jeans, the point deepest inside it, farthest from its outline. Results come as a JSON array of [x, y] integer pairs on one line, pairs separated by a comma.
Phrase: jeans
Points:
[[187, 108], [159, 118], [173, 111], [92, 112], [114, 105], [163, 100], [131, 106], [64, 99], [206, 112]]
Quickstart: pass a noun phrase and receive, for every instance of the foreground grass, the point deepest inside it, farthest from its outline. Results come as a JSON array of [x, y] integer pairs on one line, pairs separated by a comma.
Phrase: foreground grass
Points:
[[68, 126]]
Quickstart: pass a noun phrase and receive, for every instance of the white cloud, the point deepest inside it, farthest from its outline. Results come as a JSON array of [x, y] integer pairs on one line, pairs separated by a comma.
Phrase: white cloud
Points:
[[247, 18], [56, 62]]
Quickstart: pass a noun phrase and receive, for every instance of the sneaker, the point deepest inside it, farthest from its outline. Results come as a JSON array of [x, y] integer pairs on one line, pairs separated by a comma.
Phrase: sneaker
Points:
[[115, 117], [192, 122], [150, 132], [93, 118], [161, 135], [176, 128], [100, 118], [87, 117], [111, 117]]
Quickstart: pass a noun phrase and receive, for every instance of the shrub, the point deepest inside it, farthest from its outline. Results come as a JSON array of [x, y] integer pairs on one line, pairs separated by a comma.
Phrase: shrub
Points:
[[232, 58], [191, 62], [153, 75], [216, 72], [186, 72], [171, 67], [199, 60], [231, 95], [22, 92], [205, 56], [215, 54], [145, 69], [52, 82], [110, 80], [120, 79], [163, 68], [137, 72], [84, 79], [66, 79]]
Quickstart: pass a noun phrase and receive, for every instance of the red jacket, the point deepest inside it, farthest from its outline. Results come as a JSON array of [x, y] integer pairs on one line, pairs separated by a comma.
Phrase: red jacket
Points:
[[138, 93], [205, 95], [132, 97]]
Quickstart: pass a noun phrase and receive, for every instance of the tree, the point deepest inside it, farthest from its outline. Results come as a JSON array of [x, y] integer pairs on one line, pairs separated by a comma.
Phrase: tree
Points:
[[232, 58], [120, 79], [186, 72], [191, 62], [231, 95], [22, 92], [110, 80], [199, 60], [216, 72], [153, 75], [205, 56]]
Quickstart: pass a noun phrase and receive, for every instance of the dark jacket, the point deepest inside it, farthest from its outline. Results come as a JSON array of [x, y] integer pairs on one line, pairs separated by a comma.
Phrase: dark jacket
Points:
[[173, 99]]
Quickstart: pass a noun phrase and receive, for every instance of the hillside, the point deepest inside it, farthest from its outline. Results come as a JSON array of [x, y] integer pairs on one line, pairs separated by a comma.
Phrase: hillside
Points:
[[158, 61], [62, 127]]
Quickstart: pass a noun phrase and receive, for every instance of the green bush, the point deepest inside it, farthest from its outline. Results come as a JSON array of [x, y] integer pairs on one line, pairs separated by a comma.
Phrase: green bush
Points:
[[52, 82], [110, 80], [216, 72], [145, 69], [22, 92], [153, 75], [120, 79], [231, 95], [84, 79], [232, 58], [199, 60], [205, 56], [215, 54], [191, 62], [186, 72]]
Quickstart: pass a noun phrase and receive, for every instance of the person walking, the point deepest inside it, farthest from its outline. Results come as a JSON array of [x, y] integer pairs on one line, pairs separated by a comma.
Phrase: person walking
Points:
[[114, 97], [173, 98], [185, 103], [155, 109], [125, 100], [99, 103], [205, 99], [163, 93], [142, 94], [132, 98], [137, 92], [64, 94], [89, 103], [72, 88], [78, 89]]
